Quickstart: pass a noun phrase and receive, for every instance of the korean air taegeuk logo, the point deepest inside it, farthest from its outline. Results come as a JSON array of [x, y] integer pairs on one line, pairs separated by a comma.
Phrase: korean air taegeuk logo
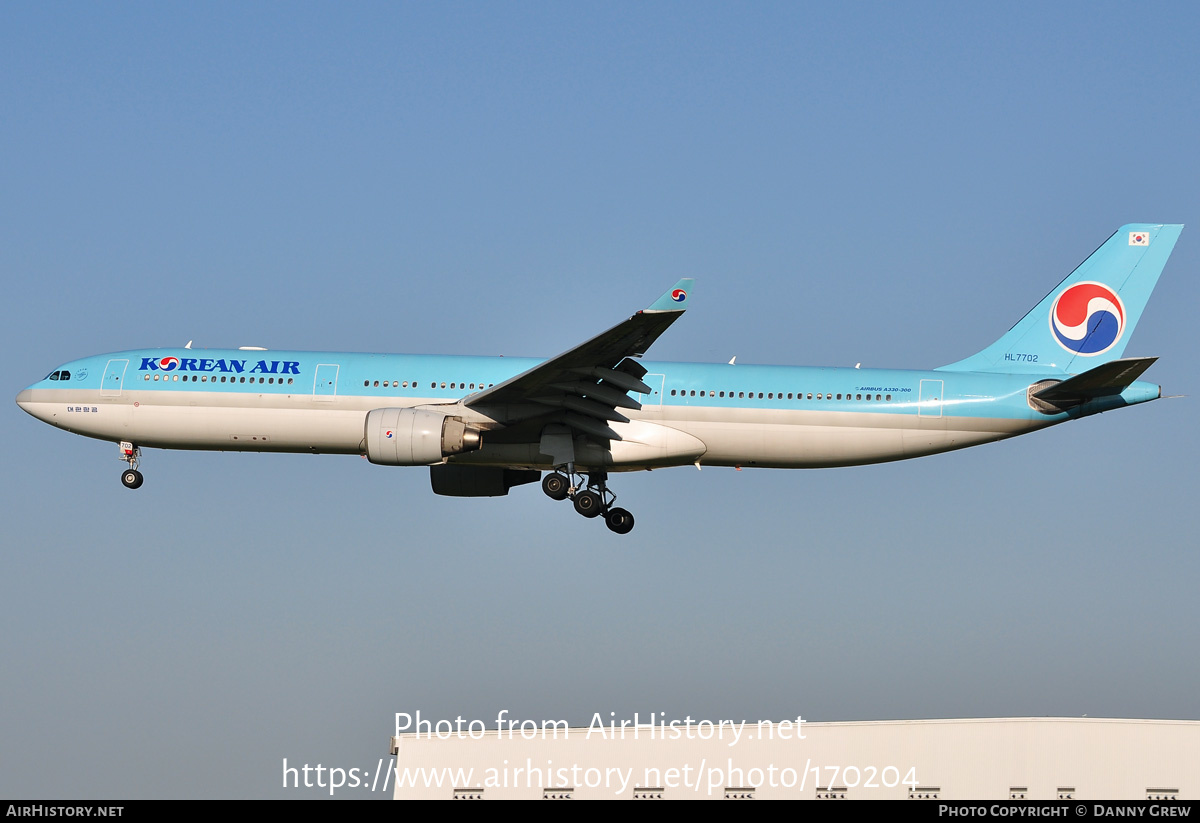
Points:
[[1087, 318]]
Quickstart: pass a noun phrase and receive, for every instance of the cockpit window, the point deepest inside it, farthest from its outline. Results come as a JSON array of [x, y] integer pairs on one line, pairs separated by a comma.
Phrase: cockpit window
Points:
[[62, 374]]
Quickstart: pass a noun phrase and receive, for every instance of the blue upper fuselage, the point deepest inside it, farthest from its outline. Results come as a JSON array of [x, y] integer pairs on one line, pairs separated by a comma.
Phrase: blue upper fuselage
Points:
[[449, 378]]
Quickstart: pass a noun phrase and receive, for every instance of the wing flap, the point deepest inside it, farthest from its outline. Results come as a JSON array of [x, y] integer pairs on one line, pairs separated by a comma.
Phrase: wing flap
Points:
[[599, 391], [621, 379], [583, 406]]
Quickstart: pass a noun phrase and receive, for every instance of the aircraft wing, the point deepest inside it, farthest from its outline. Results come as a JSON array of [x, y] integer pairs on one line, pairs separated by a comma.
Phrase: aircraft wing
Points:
[[1105, 380], [585, 386]]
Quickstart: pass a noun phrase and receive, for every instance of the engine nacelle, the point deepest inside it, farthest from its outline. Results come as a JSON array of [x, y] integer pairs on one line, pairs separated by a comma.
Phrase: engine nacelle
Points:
[[478, 481], [415, 437]]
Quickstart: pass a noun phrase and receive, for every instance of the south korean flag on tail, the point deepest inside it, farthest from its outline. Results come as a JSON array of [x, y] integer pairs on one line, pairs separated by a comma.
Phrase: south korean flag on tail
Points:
[[1139, 238]]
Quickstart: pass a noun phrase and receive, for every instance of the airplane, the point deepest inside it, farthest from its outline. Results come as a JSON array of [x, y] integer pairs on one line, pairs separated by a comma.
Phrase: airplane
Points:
[[484, 425]]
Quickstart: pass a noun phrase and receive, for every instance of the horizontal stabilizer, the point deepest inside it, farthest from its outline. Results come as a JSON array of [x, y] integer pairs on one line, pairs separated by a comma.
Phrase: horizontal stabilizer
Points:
[[1105, 380]]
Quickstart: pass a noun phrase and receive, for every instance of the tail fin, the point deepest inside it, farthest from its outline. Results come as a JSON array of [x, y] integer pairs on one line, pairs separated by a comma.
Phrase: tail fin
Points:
[[1088, 318]]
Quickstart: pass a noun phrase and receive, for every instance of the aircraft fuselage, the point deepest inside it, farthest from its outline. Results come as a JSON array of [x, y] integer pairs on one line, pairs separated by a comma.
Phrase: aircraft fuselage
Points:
[[730, 415]]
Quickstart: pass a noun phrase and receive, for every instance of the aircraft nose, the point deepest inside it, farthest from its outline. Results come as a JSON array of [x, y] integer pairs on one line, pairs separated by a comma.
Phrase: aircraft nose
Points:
[[30, 406], [38, 407]]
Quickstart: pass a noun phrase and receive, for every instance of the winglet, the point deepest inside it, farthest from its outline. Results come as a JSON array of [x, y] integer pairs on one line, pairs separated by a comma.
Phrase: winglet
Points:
[[675, 298]]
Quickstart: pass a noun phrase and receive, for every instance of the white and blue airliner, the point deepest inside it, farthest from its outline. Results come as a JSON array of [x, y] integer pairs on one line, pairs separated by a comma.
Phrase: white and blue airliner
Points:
[[485, 424]]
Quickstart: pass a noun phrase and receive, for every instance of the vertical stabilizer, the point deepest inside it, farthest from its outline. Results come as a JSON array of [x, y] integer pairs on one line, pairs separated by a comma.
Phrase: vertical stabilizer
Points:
[[1088, 318]]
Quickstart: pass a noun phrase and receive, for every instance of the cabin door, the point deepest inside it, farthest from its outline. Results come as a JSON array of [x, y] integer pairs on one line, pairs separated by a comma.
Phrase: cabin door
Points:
[[931, 399], [114, 378], [325, 383], [654, 398]]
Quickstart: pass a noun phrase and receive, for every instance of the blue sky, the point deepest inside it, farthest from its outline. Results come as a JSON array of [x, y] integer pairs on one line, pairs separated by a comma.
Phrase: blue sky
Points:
[[878, 183]]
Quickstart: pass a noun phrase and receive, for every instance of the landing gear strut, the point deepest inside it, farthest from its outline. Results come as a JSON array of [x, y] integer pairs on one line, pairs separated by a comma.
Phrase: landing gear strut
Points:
[[592, 500], [131, 477]]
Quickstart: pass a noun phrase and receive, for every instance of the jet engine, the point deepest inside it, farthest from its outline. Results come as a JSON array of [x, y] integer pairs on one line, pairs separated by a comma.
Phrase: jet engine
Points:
[[415, 437]]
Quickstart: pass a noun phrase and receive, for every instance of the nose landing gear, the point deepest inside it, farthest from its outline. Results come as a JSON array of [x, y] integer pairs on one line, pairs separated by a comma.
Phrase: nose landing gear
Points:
[[131, 477], [591, 501]]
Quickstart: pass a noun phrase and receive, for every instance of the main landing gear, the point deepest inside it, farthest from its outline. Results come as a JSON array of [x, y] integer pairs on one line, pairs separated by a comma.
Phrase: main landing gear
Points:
[[591, 501], [131, 477]]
